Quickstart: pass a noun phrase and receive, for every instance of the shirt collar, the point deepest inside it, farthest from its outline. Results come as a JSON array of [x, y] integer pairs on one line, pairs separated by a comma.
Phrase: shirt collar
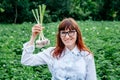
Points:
[[74, 51]]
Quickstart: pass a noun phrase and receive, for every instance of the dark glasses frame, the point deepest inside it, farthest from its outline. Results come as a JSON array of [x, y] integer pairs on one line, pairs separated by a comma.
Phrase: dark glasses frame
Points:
[[70, 33]]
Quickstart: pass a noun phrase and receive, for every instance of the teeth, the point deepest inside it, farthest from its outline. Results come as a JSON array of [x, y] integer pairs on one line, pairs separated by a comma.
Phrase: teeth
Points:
[[68, 40]]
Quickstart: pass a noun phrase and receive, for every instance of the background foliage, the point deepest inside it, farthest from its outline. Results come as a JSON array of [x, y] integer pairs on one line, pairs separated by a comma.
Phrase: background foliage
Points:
[[18, 11], [102, 38]]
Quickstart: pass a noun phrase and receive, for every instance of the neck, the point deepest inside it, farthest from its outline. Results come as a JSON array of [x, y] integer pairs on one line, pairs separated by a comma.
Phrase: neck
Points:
[[70, 47]]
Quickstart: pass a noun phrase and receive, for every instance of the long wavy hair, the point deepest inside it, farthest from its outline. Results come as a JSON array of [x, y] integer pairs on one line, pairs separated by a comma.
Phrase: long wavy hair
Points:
[[71, 24]]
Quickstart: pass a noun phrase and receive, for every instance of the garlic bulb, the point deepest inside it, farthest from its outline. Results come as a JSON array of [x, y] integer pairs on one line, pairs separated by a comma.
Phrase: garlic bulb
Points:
[[42, 43]]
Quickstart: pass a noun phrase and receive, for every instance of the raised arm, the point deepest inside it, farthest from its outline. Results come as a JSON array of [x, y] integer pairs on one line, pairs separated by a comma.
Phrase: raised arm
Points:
[[28, 58]]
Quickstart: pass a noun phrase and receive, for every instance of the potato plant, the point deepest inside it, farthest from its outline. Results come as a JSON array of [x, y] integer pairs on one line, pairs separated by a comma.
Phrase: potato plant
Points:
[[102, 37]]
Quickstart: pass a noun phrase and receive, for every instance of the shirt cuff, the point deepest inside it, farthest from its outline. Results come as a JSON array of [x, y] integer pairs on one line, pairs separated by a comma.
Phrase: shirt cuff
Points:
[[28, 48]]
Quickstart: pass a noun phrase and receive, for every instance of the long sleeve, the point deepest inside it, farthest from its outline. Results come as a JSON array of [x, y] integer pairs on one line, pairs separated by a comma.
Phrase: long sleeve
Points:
[[28, 58], [91, 70]]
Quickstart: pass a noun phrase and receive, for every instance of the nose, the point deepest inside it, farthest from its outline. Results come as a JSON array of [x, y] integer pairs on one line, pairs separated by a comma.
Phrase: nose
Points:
[[67, 36]]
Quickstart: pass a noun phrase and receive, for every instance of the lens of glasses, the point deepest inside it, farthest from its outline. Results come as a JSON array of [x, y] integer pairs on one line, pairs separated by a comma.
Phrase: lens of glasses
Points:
[[63, 33], [70, 33]]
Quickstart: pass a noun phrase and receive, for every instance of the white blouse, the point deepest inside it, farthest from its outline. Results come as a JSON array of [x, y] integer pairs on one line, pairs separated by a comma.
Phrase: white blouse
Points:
[[72, 65]]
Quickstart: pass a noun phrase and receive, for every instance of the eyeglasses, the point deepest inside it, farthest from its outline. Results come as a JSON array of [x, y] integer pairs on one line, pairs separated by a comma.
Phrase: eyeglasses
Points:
[[70, 33]]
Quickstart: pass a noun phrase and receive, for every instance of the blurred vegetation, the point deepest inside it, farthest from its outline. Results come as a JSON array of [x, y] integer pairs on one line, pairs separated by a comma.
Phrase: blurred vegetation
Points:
[[19, 11]]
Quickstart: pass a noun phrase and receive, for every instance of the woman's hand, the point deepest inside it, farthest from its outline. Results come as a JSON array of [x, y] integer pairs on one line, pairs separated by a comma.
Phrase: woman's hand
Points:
[[36, 29]]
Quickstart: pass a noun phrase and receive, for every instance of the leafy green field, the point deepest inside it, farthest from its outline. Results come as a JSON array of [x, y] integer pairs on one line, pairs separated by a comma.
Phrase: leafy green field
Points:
[[103, 38]]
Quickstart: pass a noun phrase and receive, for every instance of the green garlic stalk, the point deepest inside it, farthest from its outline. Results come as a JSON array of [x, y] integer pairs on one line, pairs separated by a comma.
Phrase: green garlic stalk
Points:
[[39, 16]]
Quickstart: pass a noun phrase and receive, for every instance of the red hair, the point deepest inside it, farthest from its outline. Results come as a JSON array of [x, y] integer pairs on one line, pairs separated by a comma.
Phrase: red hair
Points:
[[71, 24]]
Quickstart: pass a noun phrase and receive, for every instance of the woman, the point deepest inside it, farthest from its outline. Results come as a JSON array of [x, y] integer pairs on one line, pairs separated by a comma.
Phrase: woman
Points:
[[70, 59]]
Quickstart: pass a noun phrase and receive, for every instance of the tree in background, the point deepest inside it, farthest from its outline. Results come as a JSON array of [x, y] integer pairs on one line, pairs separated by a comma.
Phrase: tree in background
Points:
[[18, 11], [15, 11], [84, 9], [113, 9], [59, 9]]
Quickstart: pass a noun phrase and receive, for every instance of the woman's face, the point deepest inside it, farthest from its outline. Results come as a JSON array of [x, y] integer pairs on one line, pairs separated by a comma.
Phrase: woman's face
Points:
[[69, 38]]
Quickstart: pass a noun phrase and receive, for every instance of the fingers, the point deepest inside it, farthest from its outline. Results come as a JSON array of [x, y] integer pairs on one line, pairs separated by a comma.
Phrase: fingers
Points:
[[34, 29], [38, 25], [37, 28]]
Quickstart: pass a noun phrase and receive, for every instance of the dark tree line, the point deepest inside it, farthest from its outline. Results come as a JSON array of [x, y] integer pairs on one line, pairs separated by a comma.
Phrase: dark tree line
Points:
[[18, 11]]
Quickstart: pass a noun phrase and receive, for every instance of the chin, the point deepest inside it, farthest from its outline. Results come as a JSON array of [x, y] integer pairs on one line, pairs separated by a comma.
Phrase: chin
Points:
[[68, 44]]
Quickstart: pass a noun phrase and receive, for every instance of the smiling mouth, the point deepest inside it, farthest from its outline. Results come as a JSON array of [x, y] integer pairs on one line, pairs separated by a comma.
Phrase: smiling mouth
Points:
[[68, 40]]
